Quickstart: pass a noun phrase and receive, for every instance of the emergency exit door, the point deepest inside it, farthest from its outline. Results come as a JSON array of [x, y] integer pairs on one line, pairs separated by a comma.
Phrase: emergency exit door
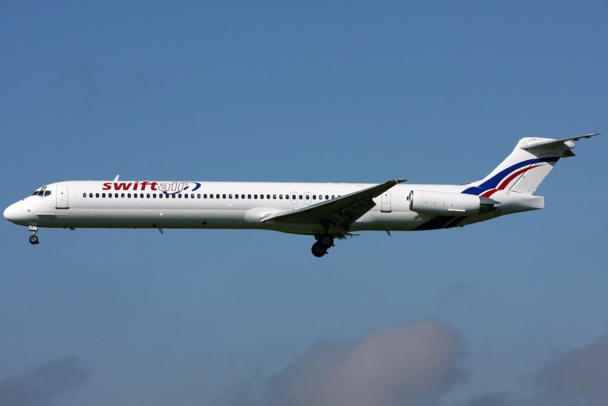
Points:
[[385, 204]]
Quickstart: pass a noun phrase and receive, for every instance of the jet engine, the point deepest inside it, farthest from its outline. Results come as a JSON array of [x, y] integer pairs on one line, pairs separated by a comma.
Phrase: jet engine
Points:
[[448, 203]]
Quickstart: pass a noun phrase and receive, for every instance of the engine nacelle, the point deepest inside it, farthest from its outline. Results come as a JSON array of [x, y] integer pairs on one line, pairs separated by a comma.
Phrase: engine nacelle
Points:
[[449, 204]]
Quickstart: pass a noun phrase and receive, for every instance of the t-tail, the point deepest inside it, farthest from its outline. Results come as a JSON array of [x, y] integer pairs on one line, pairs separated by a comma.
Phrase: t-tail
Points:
[[526, 167]]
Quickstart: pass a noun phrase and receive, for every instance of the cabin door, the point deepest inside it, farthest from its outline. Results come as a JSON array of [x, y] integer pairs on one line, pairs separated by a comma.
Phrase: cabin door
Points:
[[62, 197]]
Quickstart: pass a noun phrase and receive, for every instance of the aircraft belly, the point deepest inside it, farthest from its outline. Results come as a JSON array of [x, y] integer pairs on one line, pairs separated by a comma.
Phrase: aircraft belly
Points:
[[402, 220], [150, 218], [395, 221], [295, 228]]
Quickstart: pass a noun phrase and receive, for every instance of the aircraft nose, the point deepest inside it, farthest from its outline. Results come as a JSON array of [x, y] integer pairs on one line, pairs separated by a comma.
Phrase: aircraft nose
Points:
[[9, 213], [14, 213]]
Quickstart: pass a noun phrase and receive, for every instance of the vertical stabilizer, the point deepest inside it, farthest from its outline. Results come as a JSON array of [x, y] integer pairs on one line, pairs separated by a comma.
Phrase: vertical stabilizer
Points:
[[526, 167]]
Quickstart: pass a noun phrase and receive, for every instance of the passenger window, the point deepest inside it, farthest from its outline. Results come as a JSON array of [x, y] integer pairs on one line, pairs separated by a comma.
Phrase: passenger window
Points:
[[90, 194]]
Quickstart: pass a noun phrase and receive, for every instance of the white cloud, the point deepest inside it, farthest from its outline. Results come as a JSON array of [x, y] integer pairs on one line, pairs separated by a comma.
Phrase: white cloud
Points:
[[578, 377], [407, 364], [43, 385], [414, 364]]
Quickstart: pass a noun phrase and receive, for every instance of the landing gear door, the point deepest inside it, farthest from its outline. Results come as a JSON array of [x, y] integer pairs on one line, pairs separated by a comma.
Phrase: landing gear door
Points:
[[385, 205], [62, 197]]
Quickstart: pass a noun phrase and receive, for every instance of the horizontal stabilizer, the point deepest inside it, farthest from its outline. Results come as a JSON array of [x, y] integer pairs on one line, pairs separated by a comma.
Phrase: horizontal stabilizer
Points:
[[554, 143]]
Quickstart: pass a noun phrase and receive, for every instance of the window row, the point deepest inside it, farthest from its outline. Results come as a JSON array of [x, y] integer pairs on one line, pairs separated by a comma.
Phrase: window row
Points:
[[206, 196]]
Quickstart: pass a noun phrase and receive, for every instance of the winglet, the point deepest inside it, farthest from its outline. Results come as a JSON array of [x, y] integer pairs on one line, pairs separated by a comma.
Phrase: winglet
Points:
[[395, 181]]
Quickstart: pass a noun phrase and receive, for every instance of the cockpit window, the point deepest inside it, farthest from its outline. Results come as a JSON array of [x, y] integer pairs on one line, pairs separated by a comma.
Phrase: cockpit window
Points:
[[41, 192]]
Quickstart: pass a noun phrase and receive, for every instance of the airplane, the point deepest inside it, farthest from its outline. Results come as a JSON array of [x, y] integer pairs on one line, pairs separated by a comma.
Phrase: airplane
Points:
[[324, 210]]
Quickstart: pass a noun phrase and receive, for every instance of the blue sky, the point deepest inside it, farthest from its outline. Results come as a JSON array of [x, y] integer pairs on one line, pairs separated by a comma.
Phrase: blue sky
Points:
[[501, 313]]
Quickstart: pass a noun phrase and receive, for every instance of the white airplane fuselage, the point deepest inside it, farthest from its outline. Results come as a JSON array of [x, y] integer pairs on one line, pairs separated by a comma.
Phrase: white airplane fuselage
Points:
[[213, 205], [325, 210]]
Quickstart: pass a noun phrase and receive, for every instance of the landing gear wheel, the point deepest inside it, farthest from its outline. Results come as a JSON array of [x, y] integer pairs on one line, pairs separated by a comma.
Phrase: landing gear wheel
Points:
[[326, 241], [34, 239], [318, 250]]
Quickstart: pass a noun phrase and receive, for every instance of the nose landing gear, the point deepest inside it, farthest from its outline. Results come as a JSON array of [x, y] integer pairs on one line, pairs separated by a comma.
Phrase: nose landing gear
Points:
[[324, 242], [34, 238]]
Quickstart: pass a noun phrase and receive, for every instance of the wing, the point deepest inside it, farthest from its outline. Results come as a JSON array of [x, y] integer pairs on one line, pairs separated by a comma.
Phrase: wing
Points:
[[341, 211]]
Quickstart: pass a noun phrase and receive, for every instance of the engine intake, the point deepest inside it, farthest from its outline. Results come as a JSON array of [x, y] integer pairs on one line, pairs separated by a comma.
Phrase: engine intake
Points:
[[449, 204]]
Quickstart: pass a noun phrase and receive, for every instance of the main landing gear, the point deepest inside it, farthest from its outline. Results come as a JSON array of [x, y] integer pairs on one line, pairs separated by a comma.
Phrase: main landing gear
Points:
[[34, 238], [324, 242]]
